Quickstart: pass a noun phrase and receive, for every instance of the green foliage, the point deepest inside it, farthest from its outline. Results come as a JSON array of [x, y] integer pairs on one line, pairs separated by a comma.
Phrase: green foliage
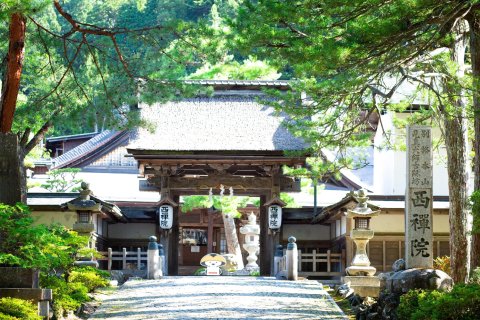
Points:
[[36, 246], [289, 200], [52, 249], [200, 272], [71, 290], [475, 201], [18, 309], [442, 263], [37, 153], [91, 278], [462, 303], [63, 180], [227, 204], [475, 276], [67, 296]]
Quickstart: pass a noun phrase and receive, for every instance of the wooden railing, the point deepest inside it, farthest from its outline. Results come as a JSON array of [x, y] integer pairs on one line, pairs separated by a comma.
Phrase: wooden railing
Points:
[[125, 256], [314, 258]]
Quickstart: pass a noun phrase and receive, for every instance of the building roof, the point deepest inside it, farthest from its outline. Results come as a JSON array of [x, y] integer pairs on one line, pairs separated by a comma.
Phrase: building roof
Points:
[[90, 149], [375, 202], [218, 123], [72, 137]]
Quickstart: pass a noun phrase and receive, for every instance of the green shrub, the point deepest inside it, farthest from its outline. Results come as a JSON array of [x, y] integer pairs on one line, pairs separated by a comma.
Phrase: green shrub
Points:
[[475, 278], [442, 263], [13, 309], [200, 272], [91, 278], [67, 296], [462, 303]]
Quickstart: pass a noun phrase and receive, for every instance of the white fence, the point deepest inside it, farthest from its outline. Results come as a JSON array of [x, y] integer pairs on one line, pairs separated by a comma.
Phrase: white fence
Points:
[[138, 258]]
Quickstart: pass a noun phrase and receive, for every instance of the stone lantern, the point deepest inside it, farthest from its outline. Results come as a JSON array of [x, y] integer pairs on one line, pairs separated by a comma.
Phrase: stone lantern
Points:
[[91, 215], [252, 244], [85, 208], [361, 234]]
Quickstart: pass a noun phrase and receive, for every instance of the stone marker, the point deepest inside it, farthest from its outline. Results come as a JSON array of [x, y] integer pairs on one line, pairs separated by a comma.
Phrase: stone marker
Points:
[[292, 259], [154, 268], [418, 198]]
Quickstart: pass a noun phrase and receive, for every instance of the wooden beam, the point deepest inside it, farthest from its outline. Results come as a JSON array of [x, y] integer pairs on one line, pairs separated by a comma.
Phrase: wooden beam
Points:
[[201, 185]]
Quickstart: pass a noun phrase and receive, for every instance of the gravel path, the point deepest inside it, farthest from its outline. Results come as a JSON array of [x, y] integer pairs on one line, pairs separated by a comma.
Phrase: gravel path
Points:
[[219, 298]]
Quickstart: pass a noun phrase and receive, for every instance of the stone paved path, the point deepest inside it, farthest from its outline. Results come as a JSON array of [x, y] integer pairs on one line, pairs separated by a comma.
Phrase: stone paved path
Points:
[[189, 298]]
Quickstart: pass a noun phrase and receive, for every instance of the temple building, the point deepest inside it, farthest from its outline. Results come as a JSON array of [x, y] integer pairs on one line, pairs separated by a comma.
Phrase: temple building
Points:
[[227, 141]]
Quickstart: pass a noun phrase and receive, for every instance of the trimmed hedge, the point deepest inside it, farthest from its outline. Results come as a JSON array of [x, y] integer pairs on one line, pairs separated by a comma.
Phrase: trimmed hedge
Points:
[[462, 303], [13, 309]]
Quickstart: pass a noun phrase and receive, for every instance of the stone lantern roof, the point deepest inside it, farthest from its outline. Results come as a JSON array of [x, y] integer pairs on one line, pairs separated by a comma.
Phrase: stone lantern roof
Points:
[[88, 202], [362, 210]]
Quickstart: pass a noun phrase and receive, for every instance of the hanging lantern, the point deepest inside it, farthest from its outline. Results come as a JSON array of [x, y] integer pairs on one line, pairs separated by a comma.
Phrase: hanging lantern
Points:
[[165, 213], [275, 213]]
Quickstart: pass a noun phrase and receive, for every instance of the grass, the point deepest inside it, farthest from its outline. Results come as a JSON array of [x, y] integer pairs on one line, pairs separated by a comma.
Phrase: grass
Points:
[[342, 303]]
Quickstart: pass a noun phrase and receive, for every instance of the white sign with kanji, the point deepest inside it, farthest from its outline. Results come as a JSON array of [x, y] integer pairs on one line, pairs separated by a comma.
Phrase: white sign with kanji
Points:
[[165, 216], [274, 217]]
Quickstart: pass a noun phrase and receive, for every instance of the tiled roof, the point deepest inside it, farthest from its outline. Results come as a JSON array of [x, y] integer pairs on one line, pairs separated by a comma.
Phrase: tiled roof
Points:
[[214, 124], [72, 137], [85, 148], [260, 83]]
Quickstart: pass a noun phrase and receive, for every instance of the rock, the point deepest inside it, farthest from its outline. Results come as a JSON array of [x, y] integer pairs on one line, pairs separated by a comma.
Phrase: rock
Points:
[[118, 275], [383, 279], [341, 288], [356, 301], [344, 290], [282, 275], [430, 279], [399, 265]]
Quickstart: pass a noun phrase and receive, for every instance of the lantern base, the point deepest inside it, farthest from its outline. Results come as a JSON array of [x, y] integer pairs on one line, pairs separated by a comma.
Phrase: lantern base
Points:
[[360, 271], [363, 286]]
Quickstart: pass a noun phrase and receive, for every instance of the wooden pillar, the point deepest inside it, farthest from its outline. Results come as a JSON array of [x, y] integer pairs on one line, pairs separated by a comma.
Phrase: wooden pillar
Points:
[[265, 239], [210, 232], [173, 238]]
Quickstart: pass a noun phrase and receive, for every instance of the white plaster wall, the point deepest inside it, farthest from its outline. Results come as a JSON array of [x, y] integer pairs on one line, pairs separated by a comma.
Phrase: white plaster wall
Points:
[[390, 165], [343, 226], [337, 228], [67, 218], [305, 232], [395, 223], [131, 230]]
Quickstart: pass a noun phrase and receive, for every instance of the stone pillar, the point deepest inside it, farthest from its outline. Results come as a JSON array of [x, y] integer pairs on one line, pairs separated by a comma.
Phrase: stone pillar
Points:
[[418, 199], [277, 258], [10, 170], [292, 259], [154, 270], [163, 261], [164, 243]]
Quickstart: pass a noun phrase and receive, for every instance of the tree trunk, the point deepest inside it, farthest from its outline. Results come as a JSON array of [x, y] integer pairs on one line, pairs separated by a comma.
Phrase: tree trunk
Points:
[[474, 24], [458, 179], [11, 81], [233, 246], [456, 142], [12, 170]]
